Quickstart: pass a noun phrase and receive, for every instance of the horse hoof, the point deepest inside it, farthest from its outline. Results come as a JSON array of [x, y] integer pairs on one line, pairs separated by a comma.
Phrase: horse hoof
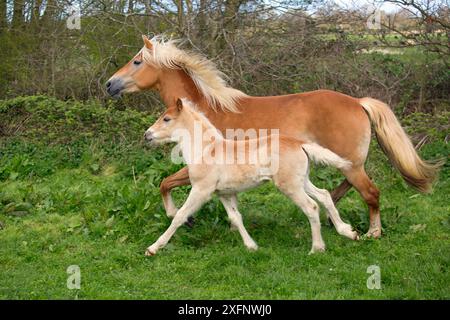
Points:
[[149, 253], [353, 235], [190, 222], [374, 233], [317, 250]]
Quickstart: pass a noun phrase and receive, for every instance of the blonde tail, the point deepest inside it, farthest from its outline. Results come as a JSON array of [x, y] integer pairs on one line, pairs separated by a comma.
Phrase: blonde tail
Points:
[[325, 156], [398, 147]]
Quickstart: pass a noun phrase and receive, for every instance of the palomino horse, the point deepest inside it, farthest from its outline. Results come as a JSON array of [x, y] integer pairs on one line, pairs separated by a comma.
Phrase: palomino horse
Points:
[[249, 163], [330, 119]]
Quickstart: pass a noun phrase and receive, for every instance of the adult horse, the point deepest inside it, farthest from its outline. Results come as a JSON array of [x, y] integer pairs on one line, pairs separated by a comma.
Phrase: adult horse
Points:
[[332, 120]]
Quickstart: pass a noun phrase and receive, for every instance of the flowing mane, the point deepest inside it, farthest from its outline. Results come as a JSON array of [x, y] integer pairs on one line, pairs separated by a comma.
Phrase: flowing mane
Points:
[[208, 79]]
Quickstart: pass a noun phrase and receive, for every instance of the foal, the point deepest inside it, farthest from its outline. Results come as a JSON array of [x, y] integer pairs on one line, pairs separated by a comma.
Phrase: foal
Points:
[[278, 158]]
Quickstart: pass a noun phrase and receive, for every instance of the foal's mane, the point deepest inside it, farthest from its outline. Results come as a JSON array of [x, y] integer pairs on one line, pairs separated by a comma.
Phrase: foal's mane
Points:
[[190, 107], [208, 79]]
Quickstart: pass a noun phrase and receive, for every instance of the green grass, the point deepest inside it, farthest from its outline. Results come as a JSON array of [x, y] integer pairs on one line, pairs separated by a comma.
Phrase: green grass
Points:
[[97, 205]]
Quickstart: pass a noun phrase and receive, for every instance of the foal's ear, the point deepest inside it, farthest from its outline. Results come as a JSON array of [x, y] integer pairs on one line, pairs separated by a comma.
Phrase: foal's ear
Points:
[[179, 105], [147, 42]]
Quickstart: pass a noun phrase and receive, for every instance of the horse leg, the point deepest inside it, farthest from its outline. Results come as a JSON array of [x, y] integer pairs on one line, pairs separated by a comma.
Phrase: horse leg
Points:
[[371, 195], [295, 191], [180, 178], [311, 210], [197, 197], [323, 196], [337, 195], [340, 191], [230, 204]]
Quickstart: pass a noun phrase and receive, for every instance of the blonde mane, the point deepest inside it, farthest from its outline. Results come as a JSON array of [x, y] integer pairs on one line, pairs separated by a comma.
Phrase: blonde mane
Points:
[[198, 115], [207, 78]]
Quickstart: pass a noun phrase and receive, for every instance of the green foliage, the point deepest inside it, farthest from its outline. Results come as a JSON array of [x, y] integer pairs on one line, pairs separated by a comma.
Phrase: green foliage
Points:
[[56, 121], [269, 56], [58, 134]]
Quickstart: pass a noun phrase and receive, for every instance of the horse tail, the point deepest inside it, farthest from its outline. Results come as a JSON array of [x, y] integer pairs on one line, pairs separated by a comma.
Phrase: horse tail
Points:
[[398, 147], [325, 156]]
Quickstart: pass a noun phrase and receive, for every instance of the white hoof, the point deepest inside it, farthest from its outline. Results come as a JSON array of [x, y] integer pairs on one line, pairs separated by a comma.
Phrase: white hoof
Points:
[[151, 251], [252, 246], [347, 231], [318, 248]]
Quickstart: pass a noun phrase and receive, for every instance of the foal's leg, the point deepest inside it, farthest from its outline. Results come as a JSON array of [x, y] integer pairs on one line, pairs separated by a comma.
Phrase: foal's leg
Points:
[[323, 196], [197, 197], [370, 193], [311, 210], [294, 190], [181, 178], [230, 204]]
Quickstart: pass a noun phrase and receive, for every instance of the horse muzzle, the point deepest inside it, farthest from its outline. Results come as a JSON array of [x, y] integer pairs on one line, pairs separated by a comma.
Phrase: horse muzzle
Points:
[[148, 136], [114, 87]]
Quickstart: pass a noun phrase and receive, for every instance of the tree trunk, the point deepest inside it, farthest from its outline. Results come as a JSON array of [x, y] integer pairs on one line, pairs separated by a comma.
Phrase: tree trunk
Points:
[[50, 10], [17, 18], [180, 14], [148, 6], [35, 13], [231, 10], [3, 21], [229, 22], [202, 18], [130, 6]]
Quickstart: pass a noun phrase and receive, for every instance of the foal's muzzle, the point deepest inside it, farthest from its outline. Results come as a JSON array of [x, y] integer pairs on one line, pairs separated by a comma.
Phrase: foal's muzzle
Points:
[[148, 136], [114, 87]]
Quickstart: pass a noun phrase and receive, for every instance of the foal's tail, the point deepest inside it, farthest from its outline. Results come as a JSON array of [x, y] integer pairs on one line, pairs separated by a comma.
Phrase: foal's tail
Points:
[[398, 147], [325, 156]]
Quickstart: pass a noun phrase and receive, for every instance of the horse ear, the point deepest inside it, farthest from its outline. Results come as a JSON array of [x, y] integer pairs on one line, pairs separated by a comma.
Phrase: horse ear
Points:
[[147, 42], [179, 105]]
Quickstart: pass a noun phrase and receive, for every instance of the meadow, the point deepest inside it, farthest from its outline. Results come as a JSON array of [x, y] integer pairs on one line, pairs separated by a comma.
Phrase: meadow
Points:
[[79, 187]]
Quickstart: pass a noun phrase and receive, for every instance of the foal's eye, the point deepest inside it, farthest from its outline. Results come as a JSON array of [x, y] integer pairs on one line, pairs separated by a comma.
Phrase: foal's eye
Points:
[[166, 119], [137, 62]]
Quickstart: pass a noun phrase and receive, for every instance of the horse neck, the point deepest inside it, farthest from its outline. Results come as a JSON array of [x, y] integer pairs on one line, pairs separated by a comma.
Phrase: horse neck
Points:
[[197, 126], [175, 83]]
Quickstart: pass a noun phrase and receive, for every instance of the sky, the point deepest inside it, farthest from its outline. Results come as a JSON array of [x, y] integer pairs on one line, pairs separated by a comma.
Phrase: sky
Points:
[[386, 7]]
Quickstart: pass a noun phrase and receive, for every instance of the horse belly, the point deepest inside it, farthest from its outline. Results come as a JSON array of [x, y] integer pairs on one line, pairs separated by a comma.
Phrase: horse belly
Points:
[[242, 178]]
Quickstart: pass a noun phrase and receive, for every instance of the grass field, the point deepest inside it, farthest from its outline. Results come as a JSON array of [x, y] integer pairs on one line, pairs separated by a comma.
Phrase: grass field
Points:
[[72, 196]]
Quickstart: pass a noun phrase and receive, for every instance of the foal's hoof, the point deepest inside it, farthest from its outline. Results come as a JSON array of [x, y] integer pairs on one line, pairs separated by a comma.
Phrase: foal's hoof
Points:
[[149, 252], [252, 246], [190, 222], [348, 232], [317, 249]]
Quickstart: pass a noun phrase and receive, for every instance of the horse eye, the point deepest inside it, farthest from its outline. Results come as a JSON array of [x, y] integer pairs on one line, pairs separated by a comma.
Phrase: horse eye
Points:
[[166, 119], [137, 62]]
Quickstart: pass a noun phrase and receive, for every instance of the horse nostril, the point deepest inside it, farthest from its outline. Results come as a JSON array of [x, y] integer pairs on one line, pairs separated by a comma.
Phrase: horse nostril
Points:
[[148, 136], [114, 87]]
